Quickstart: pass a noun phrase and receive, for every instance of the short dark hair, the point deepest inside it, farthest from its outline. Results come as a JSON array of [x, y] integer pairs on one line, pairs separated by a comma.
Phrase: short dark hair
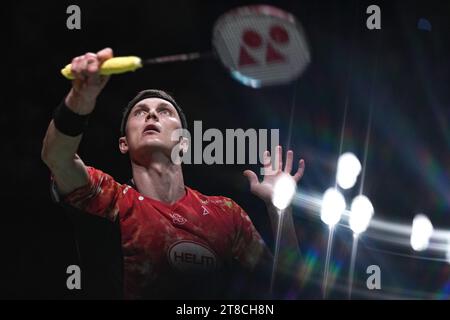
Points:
[[151, 93]]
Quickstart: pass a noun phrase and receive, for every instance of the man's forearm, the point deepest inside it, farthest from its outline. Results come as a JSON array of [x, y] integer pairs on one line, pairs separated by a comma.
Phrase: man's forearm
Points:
[[59, 149], [78, 104], [57, 146], [288, 247]]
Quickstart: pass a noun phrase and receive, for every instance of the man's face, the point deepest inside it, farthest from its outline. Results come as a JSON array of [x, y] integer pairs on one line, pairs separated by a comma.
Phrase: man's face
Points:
[[149, 128]]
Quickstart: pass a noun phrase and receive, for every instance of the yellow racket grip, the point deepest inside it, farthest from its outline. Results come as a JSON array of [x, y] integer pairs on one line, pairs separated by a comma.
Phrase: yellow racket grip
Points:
[[114, 65]]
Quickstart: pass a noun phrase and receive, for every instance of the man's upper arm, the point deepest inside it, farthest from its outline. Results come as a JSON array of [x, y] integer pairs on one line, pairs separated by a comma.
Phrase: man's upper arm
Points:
[[59, 154], [71, 176], [248, 246], [99, 196]]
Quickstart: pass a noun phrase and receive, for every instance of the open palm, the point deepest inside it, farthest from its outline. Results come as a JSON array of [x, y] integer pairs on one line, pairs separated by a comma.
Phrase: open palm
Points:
[[264, 189]]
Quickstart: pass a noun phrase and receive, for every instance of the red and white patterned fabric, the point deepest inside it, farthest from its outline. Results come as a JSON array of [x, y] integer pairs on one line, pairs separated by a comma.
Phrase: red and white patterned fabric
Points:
[[163, 244]]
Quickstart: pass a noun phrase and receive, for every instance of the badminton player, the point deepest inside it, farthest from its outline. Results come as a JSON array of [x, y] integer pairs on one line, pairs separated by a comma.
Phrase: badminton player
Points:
[[176, 242]]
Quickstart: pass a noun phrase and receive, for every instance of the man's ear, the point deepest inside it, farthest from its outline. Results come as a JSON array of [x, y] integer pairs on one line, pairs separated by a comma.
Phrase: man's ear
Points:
[[184, 144], [123, 145]]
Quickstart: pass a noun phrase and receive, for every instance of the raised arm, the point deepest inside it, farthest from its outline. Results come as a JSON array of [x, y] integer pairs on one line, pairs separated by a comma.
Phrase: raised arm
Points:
[[65, 130], [289, 246]]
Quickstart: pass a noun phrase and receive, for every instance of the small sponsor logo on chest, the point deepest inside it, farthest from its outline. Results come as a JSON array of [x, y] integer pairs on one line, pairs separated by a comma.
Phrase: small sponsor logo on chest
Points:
[[178, 219], [204, 211]]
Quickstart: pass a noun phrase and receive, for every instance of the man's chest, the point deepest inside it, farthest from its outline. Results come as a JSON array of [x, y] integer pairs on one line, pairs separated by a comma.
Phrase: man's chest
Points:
[[189, 237]]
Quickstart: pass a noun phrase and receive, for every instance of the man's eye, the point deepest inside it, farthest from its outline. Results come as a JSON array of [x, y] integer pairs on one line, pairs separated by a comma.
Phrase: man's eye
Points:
[[139, 112], [165, 111]]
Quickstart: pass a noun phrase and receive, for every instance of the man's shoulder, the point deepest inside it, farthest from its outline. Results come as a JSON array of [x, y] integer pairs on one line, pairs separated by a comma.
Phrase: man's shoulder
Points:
[[105, 183], [98, 173]]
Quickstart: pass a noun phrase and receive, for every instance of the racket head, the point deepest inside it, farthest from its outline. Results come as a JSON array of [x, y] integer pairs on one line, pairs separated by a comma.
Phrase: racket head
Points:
[[261, 45]]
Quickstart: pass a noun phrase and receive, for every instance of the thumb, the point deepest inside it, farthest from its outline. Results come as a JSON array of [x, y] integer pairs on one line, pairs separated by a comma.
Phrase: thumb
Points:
[[104, 54], [251, 176]]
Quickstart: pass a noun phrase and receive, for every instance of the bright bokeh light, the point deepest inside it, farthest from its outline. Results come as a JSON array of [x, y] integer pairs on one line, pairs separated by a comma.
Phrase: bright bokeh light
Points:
[[348, 169], [448, 250], [283, 191], [396, 234], [360, 214], [422, 229], [333, 205]]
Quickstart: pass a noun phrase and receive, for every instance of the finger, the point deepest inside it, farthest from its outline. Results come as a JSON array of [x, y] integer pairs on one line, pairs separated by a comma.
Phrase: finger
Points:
[[104, 55], [279, 159], [252, 177], [289, 157], [92, 63], [75, 68], [90, 55], [266, 159], [83, 65], [301, 168]]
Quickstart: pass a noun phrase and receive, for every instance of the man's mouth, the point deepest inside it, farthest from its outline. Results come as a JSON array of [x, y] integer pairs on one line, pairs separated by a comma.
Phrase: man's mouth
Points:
[[151, 128]]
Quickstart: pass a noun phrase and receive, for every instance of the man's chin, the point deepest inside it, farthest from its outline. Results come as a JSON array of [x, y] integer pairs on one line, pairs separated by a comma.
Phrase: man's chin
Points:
[[150, 139], [153, 145], [150, 144]]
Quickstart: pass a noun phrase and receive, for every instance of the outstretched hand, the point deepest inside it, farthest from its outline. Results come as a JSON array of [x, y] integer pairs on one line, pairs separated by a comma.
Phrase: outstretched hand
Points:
[[264, 189]]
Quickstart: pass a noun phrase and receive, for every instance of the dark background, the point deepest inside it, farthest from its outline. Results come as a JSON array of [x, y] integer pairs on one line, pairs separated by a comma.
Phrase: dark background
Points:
[[402, 71]]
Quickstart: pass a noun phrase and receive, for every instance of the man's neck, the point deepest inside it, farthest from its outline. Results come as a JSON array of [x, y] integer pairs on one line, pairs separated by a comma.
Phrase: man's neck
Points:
[[159, 179]]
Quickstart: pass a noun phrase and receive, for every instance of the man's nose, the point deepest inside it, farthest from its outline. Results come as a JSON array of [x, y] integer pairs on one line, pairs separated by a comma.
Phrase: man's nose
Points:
[[152, 114]]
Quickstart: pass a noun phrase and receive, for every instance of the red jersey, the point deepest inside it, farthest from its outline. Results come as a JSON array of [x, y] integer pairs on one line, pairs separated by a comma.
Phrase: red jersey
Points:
[[165, 245]]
